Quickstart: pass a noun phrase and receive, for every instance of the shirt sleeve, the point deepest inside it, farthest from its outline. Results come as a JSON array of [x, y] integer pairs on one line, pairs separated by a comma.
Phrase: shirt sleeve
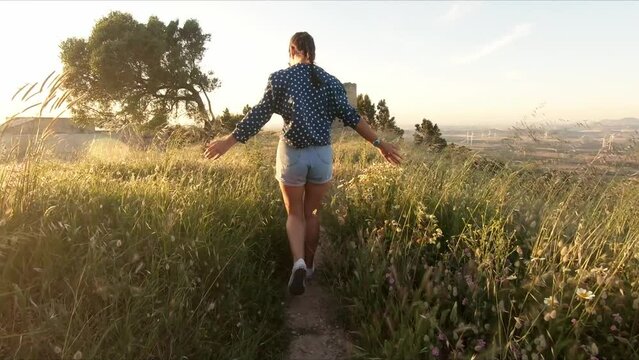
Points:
[[259, 115], [345, 111]]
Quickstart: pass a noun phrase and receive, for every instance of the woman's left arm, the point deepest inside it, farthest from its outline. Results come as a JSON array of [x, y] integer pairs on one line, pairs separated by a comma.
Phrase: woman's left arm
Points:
[[389, 151]]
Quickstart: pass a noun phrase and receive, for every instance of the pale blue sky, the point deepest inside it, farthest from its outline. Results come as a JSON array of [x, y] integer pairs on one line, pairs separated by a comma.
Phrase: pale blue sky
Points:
[[453, 62]]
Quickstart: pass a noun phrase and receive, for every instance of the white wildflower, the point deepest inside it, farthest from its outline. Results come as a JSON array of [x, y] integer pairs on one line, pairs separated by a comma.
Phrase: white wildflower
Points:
[[551, 301], [584, 294]]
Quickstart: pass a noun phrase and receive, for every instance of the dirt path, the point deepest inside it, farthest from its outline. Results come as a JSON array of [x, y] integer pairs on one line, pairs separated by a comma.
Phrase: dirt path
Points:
[[311, 320]]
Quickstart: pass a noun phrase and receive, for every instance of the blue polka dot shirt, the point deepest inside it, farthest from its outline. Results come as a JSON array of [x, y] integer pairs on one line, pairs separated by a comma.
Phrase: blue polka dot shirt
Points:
[[308, 112]]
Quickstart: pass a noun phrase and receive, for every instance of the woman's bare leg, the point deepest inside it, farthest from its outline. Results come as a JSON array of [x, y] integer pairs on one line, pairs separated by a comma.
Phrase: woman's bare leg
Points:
[[312, 203], [295, 223]]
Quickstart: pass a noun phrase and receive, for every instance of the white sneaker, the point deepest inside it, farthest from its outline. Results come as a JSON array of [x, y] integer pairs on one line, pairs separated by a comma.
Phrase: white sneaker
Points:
[[297, 281], [309, 273]]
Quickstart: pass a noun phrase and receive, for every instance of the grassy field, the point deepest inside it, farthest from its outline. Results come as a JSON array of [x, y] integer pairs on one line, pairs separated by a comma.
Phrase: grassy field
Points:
[[140, 255], [148, 254], [455, 257]]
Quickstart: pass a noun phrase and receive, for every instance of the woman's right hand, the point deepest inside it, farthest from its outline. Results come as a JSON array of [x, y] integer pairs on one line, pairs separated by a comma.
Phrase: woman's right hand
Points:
[[391, 153]]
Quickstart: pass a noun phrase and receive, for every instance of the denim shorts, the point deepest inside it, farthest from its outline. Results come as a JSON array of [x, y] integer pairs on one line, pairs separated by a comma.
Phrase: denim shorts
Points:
[[297, 166]]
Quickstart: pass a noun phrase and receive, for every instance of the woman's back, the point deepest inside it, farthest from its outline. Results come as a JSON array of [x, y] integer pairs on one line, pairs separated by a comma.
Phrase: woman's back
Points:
[[308, 98]]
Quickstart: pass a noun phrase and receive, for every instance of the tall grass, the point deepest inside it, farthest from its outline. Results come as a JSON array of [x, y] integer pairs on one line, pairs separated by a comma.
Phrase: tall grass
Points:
[[127, 254], [138, 254], [453, 257]]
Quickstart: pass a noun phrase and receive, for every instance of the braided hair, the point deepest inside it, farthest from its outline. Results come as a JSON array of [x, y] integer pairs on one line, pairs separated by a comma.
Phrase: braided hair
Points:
[[304, 43]]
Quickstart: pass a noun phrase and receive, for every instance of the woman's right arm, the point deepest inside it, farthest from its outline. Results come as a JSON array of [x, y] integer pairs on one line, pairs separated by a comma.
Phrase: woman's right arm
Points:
[[259, 115], [254, 120]]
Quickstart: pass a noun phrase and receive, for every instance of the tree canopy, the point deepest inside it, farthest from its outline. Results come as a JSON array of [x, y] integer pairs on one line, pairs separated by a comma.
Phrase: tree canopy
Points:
[[383, 120], [228, 120], [128, 72], [366, 108], [429, 134]]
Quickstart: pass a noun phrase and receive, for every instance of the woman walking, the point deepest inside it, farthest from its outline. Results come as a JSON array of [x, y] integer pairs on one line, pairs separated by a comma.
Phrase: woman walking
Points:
[[308, 99]]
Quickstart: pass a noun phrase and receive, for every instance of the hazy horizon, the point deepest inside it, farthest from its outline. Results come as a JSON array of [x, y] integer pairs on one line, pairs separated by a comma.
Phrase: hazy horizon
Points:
[[456, 63]]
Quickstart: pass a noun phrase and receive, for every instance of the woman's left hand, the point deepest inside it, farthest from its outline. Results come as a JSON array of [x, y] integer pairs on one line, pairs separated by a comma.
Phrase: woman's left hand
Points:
[[216, 148]]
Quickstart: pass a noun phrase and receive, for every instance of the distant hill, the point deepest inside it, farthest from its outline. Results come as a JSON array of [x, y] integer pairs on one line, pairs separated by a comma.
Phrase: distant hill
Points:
[[625, 123], [607, 125], [628, 123]]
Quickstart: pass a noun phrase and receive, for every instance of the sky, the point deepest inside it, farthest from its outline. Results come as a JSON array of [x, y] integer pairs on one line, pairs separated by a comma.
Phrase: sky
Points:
[[456, 63]]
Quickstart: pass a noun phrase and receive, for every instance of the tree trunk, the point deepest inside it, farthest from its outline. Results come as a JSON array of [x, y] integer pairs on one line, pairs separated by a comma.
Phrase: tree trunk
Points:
[[203, 113]]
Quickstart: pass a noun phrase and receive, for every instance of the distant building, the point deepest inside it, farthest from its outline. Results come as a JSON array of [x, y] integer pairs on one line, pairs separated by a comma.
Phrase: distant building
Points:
[[63, 137], [351, 93], [38, 125]]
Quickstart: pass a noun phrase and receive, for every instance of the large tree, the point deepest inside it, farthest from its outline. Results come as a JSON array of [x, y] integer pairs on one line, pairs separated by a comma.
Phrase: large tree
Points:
[[429, 134], [384, 121], [366, 107], [128, 72]]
